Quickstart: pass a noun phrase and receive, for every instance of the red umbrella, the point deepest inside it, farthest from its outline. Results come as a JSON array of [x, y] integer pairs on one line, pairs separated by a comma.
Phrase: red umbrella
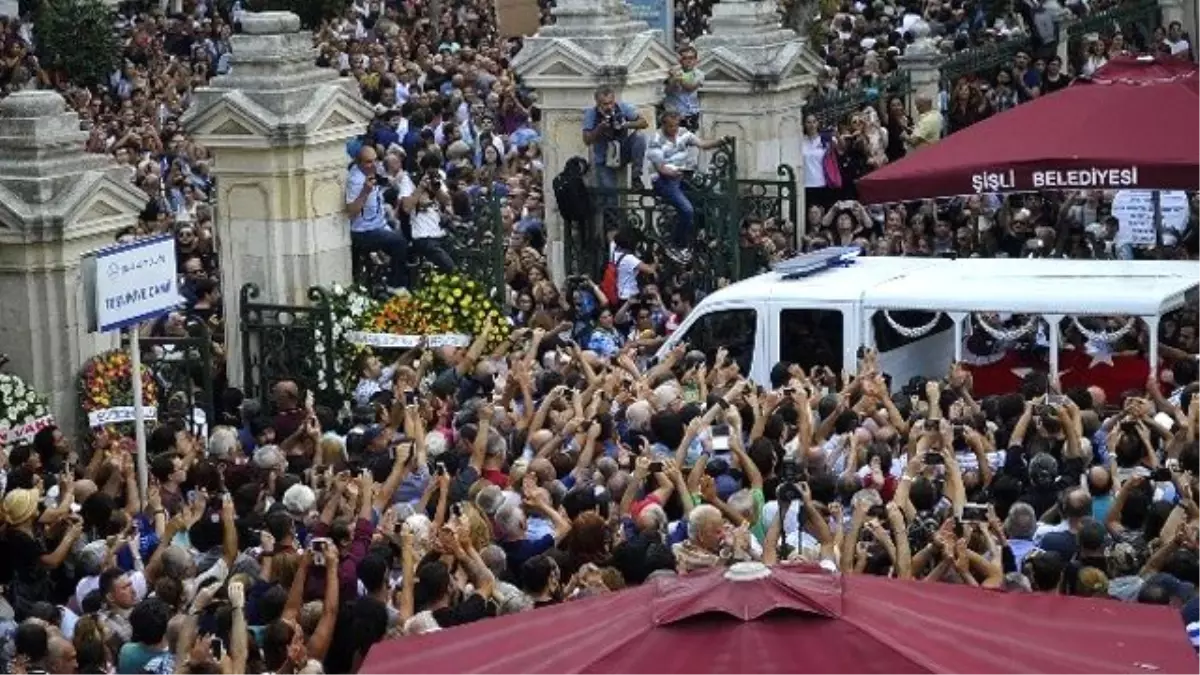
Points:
[[1132, 126], [799, 620]]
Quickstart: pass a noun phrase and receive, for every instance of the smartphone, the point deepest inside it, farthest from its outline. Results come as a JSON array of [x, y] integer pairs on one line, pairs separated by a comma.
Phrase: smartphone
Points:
[[1056, 400], [932, 458], [410, 397], [216, 647], [441, 468], [317, 546], [976, 513], [656, 467], [720, 438], [309, 401], [1161, 475]]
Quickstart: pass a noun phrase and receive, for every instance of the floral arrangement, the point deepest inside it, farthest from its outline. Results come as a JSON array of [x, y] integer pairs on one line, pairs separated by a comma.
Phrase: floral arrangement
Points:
[[23, 411], [351, 309], [463, 305], [105, 382], [410, 315], [446, 304]]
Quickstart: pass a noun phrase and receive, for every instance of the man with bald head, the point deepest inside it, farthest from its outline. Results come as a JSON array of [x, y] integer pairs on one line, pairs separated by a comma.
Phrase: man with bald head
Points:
[[369, 226]]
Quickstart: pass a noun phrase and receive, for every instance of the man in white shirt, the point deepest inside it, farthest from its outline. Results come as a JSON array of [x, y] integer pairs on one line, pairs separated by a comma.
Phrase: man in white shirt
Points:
[[670, 155], [425, 205]]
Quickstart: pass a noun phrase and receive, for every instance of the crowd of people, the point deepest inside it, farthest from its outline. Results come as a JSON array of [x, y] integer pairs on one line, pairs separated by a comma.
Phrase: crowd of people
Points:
[[481, 482], [566, 461], [862, 42], [135, 120], [1079, 225]]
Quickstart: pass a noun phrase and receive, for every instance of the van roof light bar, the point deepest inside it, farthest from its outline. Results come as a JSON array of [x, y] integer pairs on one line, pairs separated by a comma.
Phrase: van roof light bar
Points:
[[817, 261]]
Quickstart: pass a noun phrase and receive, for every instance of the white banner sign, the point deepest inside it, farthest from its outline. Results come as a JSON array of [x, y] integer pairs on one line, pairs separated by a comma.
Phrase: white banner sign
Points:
[[23, 433], [1134, 211], [390, 341], [123, 413], [134, 282]]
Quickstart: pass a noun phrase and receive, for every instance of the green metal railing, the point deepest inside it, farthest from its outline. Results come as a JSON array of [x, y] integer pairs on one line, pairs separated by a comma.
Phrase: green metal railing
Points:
[[981, 62], [834, 108], [723, 203]]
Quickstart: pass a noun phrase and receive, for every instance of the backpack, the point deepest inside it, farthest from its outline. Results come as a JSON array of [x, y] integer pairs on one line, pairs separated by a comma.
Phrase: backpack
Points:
[[608, 281], [571, 193]]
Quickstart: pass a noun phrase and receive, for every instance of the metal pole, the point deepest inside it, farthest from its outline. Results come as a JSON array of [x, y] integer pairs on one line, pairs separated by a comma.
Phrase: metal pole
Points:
[[1156, 200], [1052, 326], [139, 420]]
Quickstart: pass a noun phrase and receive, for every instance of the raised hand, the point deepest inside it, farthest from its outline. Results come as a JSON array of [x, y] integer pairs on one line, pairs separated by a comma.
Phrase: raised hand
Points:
[[237, 594], [641, 466]]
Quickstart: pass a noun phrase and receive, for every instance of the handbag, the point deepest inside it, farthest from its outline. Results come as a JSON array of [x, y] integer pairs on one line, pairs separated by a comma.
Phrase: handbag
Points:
[[833, 173]]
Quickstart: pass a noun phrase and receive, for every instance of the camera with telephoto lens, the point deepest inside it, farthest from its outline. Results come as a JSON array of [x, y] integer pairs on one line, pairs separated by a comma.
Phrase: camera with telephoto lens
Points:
[[789, 479], [615, 121]]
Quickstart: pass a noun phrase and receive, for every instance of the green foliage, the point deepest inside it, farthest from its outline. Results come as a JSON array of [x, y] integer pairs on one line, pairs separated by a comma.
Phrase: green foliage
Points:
[[77, 39], [311, 12]]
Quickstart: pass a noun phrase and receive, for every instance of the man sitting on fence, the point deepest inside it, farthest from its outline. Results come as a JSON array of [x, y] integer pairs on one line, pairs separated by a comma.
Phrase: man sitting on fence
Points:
[[673, 161], [611, 129], [369, 227]]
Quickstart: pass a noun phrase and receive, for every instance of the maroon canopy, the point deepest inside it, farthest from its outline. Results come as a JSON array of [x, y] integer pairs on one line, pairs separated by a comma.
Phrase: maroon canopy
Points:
[[1133, 125], [799, 620]]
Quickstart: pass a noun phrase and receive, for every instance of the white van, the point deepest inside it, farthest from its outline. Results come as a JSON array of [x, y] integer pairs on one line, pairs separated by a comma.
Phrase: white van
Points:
[[818, 309]]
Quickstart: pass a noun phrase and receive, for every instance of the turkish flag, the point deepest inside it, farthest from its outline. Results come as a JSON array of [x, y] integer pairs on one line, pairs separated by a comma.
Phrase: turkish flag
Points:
[[1115, 374], [1076, 369], [1002, 375]]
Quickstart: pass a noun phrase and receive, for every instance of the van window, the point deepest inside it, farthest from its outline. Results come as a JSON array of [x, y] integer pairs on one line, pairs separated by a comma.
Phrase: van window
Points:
[[811, 337], [886, 337], [733, 329]]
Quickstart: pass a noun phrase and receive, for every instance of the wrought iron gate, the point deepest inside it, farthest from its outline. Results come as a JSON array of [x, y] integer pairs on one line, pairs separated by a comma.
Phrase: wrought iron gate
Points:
[[723, 204], [287, 342], [183, 367]]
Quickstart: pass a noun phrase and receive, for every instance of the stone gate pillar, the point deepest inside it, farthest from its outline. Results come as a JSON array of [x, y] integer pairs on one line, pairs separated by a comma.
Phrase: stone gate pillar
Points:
[[593, 42], [922, 61], [757, 76], [57, 202], [277, 127]]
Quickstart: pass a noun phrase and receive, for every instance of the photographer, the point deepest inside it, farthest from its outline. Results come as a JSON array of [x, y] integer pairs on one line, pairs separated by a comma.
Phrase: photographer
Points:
[[369, 227], [610, 128], [425, 206]]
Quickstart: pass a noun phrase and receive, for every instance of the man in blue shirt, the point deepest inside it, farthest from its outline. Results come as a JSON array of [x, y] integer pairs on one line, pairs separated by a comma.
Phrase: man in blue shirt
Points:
[[369, 227], [611, 129]]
